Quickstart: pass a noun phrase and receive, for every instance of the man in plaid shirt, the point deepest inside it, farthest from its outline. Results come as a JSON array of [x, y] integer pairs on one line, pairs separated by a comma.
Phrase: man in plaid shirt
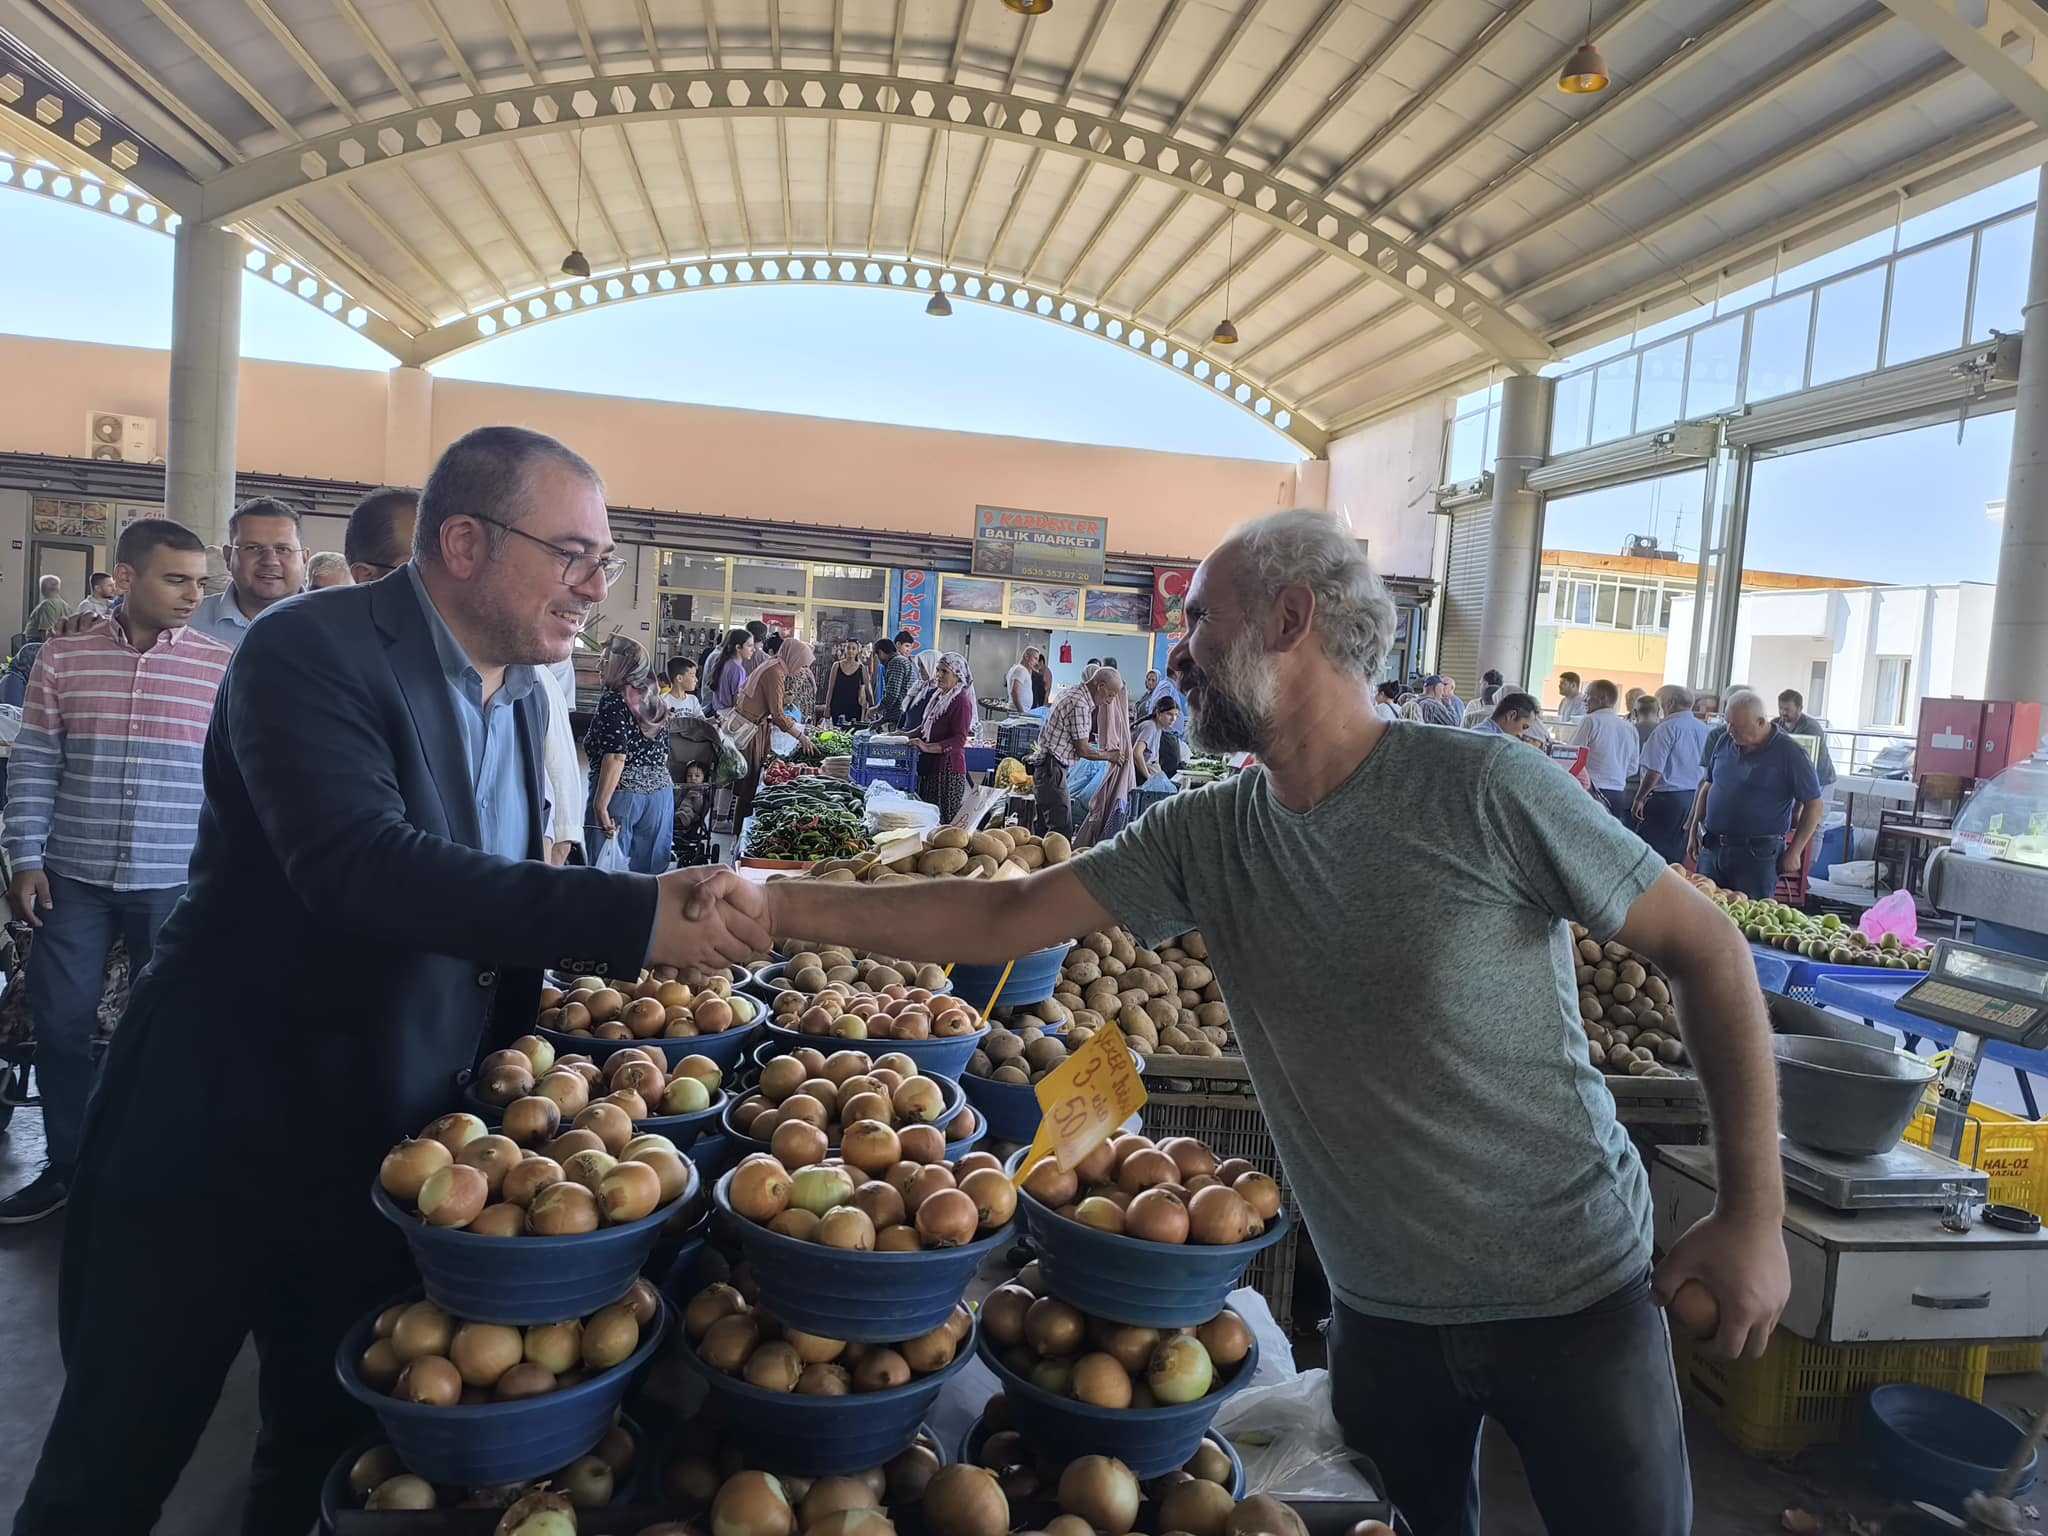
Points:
[[1068, 736], [103, 799]]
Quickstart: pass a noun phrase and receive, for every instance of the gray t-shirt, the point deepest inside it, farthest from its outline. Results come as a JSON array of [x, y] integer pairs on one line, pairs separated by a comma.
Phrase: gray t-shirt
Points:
[[1401, 979]]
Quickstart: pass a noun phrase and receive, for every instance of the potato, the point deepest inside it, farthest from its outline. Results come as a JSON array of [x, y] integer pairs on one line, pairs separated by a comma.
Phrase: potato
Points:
[[1057, 849], [1212, 993], [1217, 1037], [1162, 1012], [989, 845], [1134, 1021], [1030, 855], [1196, 946], [1589, 952], [1111, 966], [1212, 1015], [948, 837], [942, 861], [1623, 992], [1099, 942], [1123, 949], [1196, 977]]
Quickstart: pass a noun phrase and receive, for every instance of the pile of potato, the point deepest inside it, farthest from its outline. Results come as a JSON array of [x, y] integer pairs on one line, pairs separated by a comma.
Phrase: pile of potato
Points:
[[1166, 1003], [1022, 1050], [1626, 1008], [1001, 853]]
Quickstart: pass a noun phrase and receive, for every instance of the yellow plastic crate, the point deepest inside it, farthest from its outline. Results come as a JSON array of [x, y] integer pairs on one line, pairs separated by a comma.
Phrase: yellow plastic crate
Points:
[[2013, 1151], [2013, 1357], [1802, 1393]]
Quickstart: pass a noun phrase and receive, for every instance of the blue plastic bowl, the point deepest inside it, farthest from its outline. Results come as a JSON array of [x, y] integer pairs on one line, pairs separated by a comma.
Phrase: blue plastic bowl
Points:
[[1147, 1440], [934, 1058], [1031, 979], [955, 1150], [526, 1280], [335, 1496], [978, 1433], [713, 1154], [869, 1298], [1923, 1443], [1128, 1280], [826, 1436], [1011, 1109], [683, 1130], [766, 981], [744, 1144], [727, 1048], [494, 1443]]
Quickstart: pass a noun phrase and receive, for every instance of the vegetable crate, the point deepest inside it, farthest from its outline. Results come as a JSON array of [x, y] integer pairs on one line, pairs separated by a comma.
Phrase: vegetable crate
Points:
[[904, 778], [871, 754], [2013, 1357], [2013, 1151], [1224, 1112], [1018, 738], [1802, 1393], [1142, 800]]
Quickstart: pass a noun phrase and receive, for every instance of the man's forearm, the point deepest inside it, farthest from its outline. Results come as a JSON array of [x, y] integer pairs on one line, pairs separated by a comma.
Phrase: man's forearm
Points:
[[1727, 1033], [1650, 780], [1809, 822], [972, 922]]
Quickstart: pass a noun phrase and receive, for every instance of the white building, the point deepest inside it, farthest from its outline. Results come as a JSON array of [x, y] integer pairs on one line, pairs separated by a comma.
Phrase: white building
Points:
[[1863, 657]]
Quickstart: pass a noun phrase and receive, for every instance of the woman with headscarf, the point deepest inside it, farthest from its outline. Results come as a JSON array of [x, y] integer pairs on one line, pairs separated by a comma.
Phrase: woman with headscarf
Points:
[[800, 690], [941, 736], [761, 705], [926, 665], [1111, 800], [632, 796]]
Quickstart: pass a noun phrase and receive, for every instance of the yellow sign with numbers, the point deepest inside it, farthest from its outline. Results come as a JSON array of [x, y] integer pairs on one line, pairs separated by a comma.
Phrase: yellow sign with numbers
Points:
[[1093, 1091]]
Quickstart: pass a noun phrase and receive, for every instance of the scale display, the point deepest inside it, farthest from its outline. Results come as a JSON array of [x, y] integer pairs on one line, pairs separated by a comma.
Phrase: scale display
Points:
[[1985, 992]]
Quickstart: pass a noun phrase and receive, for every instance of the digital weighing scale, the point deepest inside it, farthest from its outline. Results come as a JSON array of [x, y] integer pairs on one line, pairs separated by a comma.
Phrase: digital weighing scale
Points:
[[1982, 994]]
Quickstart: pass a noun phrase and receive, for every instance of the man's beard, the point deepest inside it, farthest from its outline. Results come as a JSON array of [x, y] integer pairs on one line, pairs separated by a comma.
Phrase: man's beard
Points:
[[1232, 706]]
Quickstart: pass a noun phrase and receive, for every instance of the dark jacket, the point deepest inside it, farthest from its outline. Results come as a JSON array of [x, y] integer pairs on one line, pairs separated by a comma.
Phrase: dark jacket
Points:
[[344, 949]]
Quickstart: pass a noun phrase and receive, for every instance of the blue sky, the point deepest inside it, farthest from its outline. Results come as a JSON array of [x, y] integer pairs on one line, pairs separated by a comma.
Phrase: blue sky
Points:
[[841, 352]]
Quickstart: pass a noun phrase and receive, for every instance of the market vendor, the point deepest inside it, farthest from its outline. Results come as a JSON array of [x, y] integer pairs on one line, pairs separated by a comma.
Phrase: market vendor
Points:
[[762, 710], [941, 735], [367, 909], [1386, 908], [1760, 784]]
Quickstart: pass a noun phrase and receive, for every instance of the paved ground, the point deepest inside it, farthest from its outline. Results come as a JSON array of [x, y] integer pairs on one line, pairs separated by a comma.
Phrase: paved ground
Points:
[[1736, 1495]]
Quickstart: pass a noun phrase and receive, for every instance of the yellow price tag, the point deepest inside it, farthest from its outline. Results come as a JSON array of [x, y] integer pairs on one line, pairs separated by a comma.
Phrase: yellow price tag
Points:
[[1094, 1091]]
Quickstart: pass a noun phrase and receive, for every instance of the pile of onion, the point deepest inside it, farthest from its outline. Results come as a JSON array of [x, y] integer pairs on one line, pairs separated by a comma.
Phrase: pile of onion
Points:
[[876, 1196], [736, 1338], [1174, 1191], [806, 1101], [421, 1354]]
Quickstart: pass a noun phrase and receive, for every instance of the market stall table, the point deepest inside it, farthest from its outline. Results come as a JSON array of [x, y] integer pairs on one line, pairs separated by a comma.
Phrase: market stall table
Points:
[[1873, 999]]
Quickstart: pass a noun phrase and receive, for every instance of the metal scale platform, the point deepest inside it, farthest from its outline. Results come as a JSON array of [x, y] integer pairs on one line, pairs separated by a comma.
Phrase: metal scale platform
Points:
[[1981, 994]]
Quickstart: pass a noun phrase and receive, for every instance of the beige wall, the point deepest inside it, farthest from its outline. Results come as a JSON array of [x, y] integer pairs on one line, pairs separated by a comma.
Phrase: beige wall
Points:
[[1382, 477], [333, 423]]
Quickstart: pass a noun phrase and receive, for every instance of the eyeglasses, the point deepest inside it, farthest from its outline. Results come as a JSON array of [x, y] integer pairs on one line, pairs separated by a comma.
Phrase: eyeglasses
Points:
[[258, 551], [577, 567]]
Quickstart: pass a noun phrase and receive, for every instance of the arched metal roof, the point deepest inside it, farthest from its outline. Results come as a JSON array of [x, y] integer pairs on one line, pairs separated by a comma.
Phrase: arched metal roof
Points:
[[1387, 195]]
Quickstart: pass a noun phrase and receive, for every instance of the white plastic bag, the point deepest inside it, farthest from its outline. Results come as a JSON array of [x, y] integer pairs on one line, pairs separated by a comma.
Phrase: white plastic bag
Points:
[[611, 856], [1287, 1435], [890, 809]]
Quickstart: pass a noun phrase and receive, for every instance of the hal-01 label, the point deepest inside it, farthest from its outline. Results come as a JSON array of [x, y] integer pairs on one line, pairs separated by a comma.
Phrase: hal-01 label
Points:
[[1093, 1092]]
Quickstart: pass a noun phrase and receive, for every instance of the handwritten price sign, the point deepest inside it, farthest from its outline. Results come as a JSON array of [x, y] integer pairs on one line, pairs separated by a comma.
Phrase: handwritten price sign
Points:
[[1092, 1093]]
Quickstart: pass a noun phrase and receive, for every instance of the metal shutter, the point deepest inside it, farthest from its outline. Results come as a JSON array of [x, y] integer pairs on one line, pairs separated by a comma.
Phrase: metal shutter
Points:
[[1465, 592]]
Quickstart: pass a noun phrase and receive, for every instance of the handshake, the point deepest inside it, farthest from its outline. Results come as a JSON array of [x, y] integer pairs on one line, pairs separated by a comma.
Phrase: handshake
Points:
[[710, 918]]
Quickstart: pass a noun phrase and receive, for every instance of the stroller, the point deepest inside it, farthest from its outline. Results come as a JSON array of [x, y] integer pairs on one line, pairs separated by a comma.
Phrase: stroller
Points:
[[694, 742]]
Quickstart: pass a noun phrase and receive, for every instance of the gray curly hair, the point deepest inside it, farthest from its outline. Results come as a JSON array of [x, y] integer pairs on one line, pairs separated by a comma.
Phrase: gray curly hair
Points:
[[1354, 617]]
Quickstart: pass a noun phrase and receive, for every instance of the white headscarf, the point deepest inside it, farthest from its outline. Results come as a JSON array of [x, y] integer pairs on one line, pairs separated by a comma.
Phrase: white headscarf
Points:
[[942, 698]]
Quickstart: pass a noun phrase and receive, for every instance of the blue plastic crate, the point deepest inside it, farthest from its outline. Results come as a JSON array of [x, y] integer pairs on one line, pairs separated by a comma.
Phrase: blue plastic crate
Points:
[[1018, 738], [904, 779], [871, 754], [1142, 800]]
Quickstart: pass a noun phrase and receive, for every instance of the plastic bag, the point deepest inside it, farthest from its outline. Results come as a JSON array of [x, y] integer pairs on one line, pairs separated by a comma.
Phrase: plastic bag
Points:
[[611, 856], [890, 809], [1895, 914], [1286, 1433]]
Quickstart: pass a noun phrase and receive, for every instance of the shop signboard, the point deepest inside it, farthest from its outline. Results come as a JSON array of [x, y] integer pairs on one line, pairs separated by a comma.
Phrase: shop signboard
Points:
[[1040, 546], [1036, 600], [914, 604], [1110, 605]]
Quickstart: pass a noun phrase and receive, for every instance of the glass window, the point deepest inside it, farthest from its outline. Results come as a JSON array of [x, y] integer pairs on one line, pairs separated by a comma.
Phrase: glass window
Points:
[[1777, 347], [1568, 411], [770, 578], [1894, 681], [1845, 330], [1660, 396], [1603, 604], [1582, 603], [1625, 608], [850, 583], [691, 573], [2003, 254], [1468, 448], [2013, 192], [1742, 298], [1664, 611], [1711, 373], [1817, 690], [1870, 248], [831, 625], [1562, 606], [1614, 399], [1928, 292]]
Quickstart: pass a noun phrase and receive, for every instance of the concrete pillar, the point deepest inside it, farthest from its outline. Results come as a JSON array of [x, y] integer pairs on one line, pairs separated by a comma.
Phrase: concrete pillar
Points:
[[206, 354], [2018, 666], [408, 426], [1517, 532]]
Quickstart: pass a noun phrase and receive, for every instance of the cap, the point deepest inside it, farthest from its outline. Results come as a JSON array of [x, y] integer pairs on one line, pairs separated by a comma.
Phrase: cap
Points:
[[1431, 681]]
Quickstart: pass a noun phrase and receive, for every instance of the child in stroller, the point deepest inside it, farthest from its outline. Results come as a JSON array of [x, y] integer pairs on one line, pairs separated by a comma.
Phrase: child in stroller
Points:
[[693, 751]]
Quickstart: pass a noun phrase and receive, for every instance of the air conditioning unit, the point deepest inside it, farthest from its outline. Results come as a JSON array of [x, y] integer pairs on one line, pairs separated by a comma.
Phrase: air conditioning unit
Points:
[[121, 439]]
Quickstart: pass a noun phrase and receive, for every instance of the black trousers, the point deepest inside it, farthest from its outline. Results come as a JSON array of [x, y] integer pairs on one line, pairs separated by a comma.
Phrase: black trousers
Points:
[[1052, 806], [1589, 1399], [1663, 823], [158, 1292]]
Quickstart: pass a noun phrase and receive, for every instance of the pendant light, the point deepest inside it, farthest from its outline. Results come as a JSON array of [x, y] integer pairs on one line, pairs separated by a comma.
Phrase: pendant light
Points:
[[1225, 334], [939, 306], [576, 264], [1028, 7], [1585, 72]]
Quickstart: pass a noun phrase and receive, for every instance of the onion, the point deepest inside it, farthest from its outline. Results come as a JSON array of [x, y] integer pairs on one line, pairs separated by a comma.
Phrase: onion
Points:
[[407, 1166], [1180, 1370], [421, 1329], [752, 1504], [612, 1334], [402, 1492], [964, 1500], [1102, 1491]]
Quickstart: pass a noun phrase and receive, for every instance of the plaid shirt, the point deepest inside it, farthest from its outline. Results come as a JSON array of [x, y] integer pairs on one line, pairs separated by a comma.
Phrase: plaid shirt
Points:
[[104, 784], [1070, 723], [896, 678]]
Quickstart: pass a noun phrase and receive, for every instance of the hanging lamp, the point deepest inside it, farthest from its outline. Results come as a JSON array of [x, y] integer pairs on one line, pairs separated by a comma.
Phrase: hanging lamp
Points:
[[1028, 7], [938, 306], [576, 264], [1225, 334], [1585, 72]]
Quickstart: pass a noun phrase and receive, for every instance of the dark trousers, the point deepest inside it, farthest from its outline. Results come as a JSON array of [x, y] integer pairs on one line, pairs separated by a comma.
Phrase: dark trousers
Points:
[[1663, 823], [1589, 1399], [1617, 803], [156, 1296], [67, 973], [1748, 865], [1052, 807]]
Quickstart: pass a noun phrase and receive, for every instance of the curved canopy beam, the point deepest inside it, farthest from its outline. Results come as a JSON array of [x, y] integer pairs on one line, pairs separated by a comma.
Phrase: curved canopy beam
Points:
[[916, 282], [788, 93]]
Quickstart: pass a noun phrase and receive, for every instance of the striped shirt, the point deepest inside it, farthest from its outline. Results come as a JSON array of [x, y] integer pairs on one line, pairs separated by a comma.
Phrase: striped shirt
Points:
[[1070, 724], [104, 785]]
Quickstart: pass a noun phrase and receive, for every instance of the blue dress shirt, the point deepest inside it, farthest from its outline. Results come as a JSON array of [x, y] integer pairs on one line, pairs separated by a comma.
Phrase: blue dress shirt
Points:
[[490, 736], [221, 618]]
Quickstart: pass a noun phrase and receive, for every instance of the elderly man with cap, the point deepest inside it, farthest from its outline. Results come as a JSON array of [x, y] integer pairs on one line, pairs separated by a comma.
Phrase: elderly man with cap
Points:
[[1439, 705]]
